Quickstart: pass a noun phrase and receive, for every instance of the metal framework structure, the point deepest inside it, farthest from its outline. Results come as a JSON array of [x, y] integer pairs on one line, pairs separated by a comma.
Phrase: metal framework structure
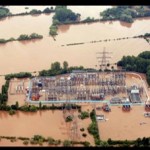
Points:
[[103, 60]]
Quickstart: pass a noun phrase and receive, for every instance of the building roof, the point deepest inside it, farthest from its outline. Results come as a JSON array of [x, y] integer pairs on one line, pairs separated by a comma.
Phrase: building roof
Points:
[[135, 91]]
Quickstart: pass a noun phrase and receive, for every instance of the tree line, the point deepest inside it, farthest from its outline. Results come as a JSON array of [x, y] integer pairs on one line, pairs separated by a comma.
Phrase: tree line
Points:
[[125, 13], [57, 69], [22, 37], [141, 63], [5, 12]]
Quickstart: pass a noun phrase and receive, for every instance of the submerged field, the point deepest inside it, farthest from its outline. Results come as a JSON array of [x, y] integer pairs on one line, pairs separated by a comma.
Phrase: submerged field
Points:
[[36, 55], [46, 123], [124, 125]]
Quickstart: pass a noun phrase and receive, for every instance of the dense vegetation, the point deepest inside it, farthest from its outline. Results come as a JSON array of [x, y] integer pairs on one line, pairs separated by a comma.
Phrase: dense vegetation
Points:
[[18, 75], [88, 19], [69, 119], [141, 63], [3, 41], [4, 94], [125, 13], [139, 142], [22, 37], [84, 115], [30, 108], [62, 15], [4, 12], [29, 37], [39, 140], [56, 69], [93, 128]]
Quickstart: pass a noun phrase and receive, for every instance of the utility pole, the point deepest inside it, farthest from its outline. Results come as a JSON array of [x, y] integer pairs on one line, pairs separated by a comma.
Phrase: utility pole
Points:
[[103, 60]]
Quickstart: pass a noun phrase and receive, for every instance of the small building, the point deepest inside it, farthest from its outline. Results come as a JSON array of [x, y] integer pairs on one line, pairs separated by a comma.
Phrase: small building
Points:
[[147, 114], [134, 94], [115, 100], [125, 100], [100, 117]]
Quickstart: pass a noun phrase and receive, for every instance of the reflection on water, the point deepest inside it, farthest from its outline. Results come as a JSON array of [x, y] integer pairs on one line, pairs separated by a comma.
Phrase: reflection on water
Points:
[[125, 24], [63, 28]]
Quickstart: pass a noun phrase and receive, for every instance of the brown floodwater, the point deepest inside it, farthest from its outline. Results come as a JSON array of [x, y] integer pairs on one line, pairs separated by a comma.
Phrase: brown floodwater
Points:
[[17, 25], [45, 123], [39, 54], [85, 11], [25, 124], [124, 125]]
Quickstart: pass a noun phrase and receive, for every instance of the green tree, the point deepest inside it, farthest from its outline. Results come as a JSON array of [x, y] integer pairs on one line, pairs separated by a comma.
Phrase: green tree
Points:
[[50, 141], [63, 14], [145, 55], [53, 30], [4, 12], [56, 66], [23, 37], [33, 108], [40, 105], [17, 105], [12, 112], [35, 11], [67, 143], [65, 65], [47, 10]]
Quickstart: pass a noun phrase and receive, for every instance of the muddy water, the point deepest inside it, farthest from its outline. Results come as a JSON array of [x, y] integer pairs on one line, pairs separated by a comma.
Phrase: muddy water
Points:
[[85, 11], [39, 54], [88, 11], [15, 26], [45, 123], [124, 125]]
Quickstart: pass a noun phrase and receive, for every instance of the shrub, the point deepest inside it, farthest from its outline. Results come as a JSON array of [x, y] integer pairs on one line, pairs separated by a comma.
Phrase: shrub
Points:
[[44, 107], [84, 134], [25, 142], [23, 138], [32, 141], [50, 141], [67, 143], [35, 11], [33, 108], [82, 129], [69, 118], [86, 143], [57, 142], [84, 115], [47, 10], [12, 112]]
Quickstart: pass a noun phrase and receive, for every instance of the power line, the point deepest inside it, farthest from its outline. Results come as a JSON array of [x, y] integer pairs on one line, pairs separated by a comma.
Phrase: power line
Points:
[[104, 59]]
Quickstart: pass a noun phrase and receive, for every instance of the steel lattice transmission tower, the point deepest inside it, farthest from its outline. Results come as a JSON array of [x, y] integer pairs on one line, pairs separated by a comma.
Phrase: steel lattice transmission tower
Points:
[[103, 60]]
